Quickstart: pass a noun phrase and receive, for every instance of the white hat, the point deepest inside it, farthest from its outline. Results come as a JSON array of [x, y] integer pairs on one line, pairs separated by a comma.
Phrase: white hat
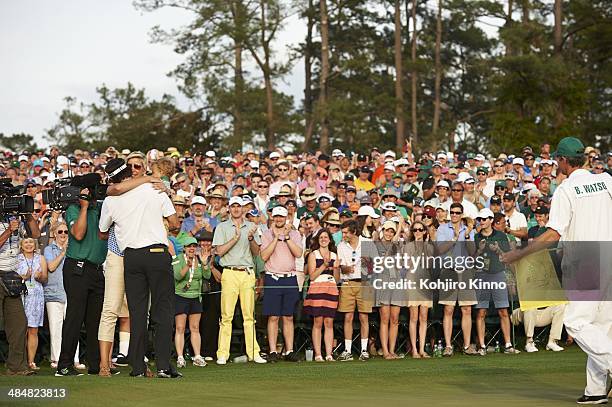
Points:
[[279, 211], [533, 192], [389, 225], [211, 154], [546, 161], [441, 155], [236, 200], [325, 196], [23, 158], [84, 161], [469, 179], [369, 211], [274, 154], [401, 161], [389, 167], [518, 160], [62, 160], [197, 199], [388, 206], [529, 187], [486, 164], [336, 153], [443, 183], [390, 153], [45, 159], [479, 157], [462, 177], [126, 151], [510, 175], [485, 213], [254, 164]]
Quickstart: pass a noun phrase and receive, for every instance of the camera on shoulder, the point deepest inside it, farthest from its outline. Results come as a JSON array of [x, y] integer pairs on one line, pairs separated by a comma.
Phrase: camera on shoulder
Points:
[[67, 191]]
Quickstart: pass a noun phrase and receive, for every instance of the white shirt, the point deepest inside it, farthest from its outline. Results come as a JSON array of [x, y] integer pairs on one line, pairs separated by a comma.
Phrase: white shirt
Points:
[[517, 220], [350, 257], [138, 217]]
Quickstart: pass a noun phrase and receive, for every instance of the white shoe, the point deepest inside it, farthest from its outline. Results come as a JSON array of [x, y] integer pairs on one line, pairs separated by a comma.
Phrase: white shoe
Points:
[[221, 361], [554, 347], [530, 347], [208, 359], [199, 361], [180, 362], [259, 359], [79, 366]]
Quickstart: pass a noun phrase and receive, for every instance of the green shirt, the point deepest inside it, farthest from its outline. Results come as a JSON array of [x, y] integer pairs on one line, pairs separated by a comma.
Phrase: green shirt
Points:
[[240, 253], [91, 248], [492, 262], [180, 282]]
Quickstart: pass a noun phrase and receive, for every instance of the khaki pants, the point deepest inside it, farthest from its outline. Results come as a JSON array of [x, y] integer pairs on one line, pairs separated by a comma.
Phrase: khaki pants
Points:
[[237, 284], [15, 326], [552, 316], [115, 303]]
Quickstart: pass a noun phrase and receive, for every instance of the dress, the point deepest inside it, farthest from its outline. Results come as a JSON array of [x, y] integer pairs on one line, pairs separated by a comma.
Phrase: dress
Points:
[[34, 301], [419, 250], [322, 297], [383, 295]]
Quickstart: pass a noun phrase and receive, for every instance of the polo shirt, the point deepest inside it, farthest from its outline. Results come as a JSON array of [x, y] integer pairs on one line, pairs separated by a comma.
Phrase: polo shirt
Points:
[[494, 264], [446, 233], [350, 257], [363, 185], [282, 261], [240, 253], [90, 248]]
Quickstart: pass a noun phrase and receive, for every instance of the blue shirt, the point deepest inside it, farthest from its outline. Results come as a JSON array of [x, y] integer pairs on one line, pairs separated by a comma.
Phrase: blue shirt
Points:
[[113, 246], [54, 287], [446, 233]]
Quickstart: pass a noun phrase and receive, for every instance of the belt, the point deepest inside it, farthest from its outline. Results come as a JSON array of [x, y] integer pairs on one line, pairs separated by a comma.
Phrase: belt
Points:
[[87, 262], [281, 275], [357, 280], [243, 269]]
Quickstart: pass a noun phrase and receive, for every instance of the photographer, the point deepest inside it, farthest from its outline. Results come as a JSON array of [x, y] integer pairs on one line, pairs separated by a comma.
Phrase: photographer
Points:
[[83, 281], [11, 305]]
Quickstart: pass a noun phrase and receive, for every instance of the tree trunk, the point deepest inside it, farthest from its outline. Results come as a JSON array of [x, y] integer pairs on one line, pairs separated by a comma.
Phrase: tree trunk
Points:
[[308, 77], [270, 130], [438, 68], [509, 25], [322, 106], [558, 11], [414, 74], [238, 92], [525, 22], [399, 90]]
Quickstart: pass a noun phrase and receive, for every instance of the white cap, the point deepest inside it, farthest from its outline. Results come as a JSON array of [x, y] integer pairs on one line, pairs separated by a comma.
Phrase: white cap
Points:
[[336, 153], [389, 225], [388, 206], [45, 159], [436, 164], [84, 161], [325, 196], [443, 183], [23, 158], [510, 175], [254, 164], [528, 187], [369, 211], [462, 177], [211, 154], [401, 161], [389, 167], [518, 160], [441, 155], [197, 199], [279, 211], [62, 160], [546, 161], [274, 154], [390, 153], [236, 200], [485, 213], [533, 192], [469, 179], [479, 157], [486, 164]]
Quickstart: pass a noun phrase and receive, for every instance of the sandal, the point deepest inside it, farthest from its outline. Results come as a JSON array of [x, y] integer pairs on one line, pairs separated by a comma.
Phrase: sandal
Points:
[[416, 356], [424, 355], [329, 358], [319, 359], [33, 366]]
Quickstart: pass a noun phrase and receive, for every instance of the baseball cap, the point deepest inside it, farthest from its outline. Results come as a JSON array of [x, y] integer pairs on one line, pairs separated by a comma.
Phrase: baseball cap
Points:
[[510, 175], [364, 168], [367, 210], [351, 188], [389, 153], [400, 162], [197, 199], [336, 152], [436, 164], [236, 200], [569, 147], [346, 213], [189, 240], [211, 154], [388, 206], [509, 196], [390, 192], [324, 198], [389, 167], [496, 200], [485, 213], [541, 210], [500, 183], [518, 160], [429, 211], [279, 211], [483, 170], [443, 183], [389, 225]]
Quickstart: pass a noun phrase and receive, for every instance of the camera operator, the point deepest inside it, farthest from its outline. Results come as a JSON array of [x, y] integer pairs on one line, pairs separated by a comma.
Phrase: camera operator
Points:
[[11, 305], [83, 283]]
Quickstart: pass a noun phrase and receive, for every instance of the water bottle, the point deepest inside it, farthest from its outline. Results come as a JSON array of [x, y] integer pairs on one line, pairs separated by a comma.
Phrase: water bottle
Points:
[[241, 359], [497, 349], [440, 348], [309, 355], [428, 349]]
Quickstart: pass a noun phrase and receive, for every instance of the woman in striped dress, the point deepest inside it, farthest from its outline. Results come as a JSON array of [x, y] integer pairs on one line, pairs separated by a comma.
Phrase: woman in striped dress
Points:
[[322, 299]]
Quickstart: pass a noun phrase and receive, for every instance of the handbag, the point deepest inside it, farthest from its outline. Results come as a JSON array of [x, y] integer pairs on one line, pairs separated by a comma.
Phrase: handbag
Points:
[[13, 284]]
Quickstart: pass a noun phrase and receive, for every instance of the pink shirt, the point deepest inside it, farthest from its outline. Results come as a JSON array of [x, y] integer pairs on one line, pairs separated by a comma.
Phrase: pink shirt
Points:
[[282, 260]]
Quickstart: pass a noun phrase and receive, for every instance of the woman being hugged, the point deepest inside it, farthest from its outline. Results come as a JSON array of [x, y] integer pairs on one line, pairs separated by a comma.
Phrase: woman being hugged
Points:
[[33, 270]]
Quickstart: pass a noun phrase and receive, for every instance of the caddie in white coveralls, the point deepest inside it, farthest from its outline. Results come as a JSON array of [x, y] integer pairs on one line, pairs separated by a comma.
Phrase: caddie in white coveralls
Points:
[[581, 211]]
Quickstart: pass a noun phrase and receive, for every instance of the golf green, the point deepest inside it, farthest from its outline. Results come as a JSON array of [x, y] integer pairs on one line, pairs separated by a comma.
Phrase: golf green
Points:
[[540, 379]]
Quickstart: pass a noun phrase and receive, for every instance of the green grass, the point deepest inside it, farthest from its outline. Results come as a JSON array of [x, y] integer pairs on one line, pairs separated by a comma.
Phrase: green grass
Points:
[[542, 379]]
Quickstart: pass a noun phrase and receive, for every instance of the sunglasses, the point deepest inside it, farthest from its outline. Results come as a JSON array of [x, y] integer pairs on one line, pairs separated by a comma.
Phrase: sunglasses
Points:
[[483, 219], [418, 230], [62, 232], [427, 217], [499, 188], [205, 173], [31, 186], [283, 169], [135, 166], [508, 200], [262, 186], [498, 166], [84, 165], [457, 190], [456, 213], [192, 245], [443, 188], [37, 210]]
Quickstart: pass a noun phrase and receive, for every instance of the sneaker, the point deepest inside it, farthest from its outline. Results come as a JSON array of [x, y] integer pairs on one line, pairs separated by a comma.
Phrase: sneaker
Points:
[[79, 366], [67, 371], [470, 350], [180, 362], [208, 358], [554, 347], [482, 351], [292, 357], [259, 360], [345, 357], [53, 365], [169, 374], [509, 350], [364, 356], [592, 399], [530, 347], [272, 357], [448, 351], [199, 361], [221, 361], [147, 374], [121, 360]]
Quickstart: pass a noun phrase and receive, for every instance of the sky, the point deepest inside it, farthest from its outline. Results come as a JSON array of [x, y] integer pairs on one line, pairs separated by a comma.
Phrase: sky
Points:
[[53, 49]]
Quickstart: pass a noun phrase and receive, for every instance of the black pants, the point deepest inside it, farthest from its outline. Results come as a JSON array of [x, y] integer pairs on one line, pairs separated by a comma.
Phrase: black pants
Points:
[[15, 326], [209, 323], [149, 268], [84, 298]]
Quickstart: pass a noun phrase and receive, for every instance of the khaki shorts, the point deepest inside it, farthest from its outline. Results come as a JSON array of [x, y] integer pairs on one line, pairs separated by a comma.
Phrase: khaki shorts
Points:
[[461, 297], [355, 294], [115, 302]]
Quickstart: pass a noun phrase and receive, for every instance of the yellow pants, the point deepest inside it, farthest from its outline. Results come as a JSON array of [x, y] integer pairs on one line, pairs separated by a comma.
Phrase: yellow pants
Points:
[[237, 284]]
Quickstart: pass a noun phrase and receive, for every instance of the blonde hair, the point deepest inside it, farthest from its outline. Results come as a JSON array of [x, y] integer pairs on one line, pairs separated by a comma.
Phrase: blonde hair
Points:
[[56, 226], [22, 241], [164, 165]]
